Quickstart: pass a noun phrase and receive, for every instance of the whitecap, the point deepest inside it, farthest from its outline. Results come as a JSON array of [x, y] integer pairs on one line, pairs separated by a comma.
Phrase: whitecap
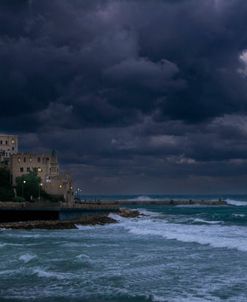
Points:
[[239, 215], [198, 220], [86, 227], [40, 272], [237, 203], [215, 235], [148, 213], [27, 257], [143, 198]]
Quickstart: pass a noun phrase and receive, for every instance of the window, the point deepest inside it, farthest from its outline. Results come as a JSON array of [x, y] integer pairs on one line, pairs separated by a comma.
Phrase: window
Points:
[[28, 169], [24, 159], [6, 142], [21, 169], [39, 170], [13, 148], [12, 141], [30, 159], [19, 159], [38, 159], [1, 142]]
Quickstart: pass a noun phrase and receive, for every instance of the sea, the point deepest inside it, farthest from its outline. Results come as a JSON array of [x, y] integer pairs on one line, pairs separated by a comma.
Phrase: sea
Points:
[[171, 253]]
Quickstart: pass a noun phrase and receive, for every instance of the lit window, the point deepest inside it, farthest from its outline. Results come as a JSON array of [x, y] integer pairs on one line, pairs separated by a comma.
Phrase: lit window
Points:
[[30, 159], [13, 141], [19, 159], [39, 170]]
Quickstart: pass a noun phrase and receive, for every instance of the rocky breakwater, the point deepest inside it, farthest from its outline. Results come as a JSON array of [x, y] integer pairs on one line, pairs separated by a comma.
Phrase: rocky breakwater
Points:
[[68, 224]]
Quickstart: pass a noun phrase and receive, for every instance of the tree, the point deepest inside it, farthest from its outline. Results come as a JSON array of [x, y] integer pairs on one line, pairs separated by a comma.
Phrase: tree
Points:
[[28, 186], [6, 190]]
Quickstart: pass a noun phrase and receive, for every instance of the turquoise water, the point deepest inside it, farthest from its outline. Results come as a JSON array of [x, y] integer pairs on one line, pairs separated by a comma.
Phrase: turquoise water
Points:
[[170, 254]]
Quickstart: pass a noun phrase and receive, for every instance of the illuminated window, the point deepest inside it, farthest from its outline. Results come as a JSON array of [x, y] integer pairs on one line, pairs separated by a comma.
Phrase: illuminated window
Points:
[[13, 141], [30, 159], [19, 159], [39, 170]]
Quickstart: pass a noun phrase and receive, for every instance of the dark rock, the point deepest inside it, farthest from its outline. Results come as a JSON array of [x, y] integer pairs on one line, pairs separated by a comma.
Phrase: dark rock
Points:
[[129, 213]]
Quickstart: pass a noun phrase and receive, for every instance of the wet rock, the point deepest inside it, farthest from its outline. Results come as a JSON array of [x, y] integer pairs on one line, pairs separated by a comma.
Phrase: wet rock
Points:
[[129, 213], [56, 224]]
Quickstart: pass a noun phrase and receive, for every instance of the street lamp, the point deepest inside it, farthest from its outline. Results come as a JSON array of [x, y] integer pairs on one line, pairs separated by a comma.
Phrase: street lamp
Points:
[[40, 186], [23, 183], [78, 190]]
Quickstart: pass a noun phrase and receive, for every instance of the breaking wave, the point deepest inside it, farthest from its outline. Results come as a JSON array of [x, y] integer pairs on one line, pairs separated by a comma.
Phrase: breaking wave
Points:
[[198, 220], [144, 198], [237, 203], [210, 233]]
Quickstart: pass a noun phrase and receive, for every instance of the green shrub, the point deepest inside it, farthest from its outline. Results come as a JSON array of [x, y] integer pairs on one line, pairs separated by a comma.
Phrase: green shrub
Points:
[[6, 190], [19, 199], [6, 194]]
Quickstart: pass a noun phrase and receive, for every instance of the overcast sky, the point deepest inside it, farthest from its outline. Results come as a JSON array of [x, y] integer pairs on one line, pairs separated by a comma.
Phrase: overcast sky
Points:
[[136, 96]]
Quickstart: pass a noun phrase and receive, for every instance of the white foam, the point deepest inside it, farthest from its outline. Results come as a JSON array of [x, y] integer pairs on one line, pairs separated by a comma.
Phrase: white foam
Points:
[[215, 235], [239, 215], [156, 298], [237, 203], [40, 272], [143, 198], [27, 258], [117, 217], [86, 227], [148, 213], [198, 220]]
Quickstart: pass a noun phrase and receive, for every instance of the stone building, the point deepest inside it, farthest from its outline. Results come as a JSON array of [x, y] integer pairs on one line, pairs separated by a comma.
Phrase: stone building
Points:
[[45, 165], [47, 168], [8, 146]]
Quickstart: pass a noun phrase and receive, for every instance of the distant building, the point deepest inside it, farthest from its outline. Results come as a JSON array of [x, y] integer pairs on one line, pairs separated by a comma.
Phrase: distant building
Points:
[[44, 165], [47, 168], [8, 146]]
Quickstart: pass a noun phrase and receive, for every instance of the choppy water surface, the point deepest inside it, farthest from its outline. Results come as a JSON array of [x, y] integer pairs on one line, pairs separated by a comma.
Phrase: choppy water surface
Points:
[[171, 254]]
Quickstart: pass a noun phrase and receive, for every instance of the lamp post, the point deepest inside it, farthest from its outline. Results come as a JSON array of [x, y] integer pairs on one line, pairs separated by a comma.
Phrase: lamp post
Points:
[[23, 183], [77, 193], [40, 186]]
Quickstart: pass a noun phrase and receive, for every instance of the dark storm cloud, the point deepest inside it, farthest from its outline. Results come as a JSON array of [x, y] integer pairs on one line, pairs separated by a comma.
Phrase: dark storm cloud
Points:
[[179, 58], [128, 89]]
